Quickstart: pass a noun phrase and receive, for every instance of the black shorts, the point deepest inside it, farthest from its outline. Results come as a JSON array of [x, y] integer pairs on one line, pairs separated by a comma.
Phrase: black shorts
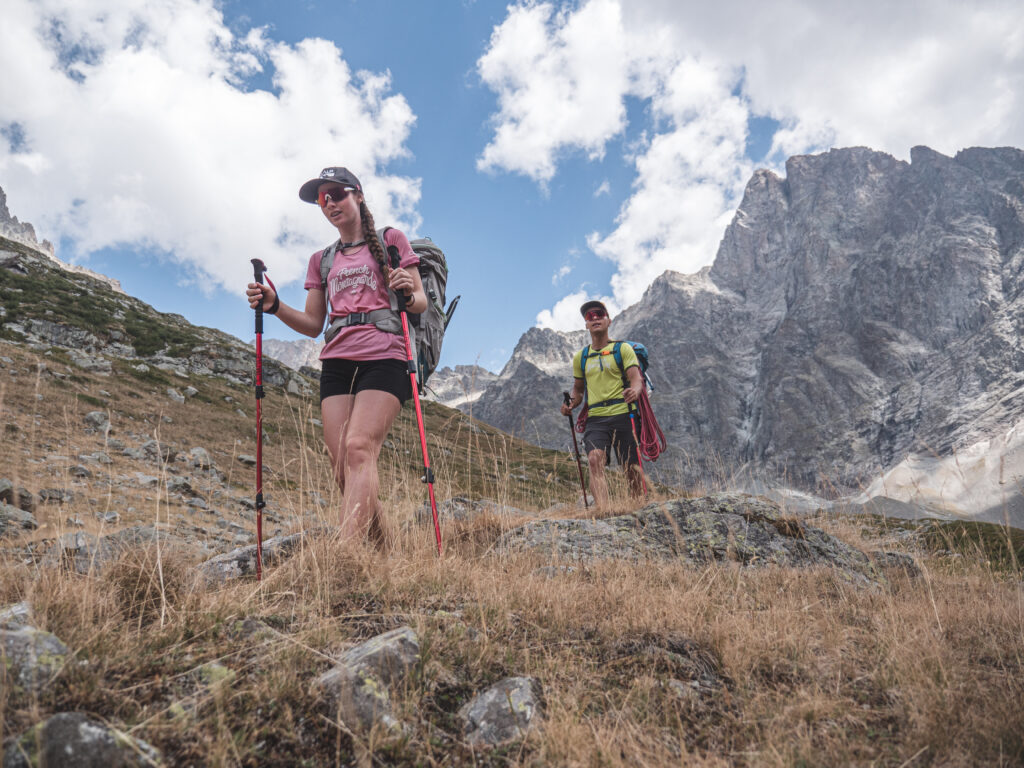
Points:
[[349, 377], [607, 432]]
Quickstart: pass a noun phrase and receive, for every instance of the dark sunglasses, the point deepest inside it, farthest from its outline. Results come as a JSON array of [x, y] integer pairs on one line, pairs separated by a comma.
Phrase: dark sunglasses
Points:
[[595, 314], [332, 195]]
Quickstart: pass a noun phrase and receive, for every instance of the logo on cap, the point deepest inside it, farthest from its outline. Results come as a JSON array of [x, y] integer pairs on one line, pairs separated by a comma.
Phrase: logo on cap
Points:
[[326, 172]]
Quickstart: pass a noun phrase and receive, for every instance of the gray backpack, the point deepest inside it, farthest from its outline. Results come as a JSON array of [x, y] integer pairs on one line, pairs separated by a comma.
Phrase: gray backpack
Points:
[[427, 328]]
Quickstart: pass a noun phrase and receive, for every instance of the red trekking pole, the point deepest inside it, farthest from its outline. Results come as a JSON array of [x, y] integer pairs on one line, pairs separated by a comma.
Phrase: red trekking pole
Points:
[[576, 447], [428, 473], [258, 269], [636, 440]]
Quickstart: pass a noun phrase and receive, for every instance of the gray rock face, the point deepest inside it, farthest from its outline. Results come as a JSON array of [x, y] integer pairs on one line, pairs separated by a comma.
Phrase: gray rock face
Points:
[[72, 740], [297, 353], [721, 527], [858, 311], [460, 386], [505, 712]]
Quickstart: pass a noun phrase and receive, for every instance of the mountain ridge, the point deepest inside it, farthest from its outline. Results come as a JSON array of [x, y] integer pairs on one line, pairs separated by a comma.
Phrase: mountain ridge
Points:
[[861, 311]]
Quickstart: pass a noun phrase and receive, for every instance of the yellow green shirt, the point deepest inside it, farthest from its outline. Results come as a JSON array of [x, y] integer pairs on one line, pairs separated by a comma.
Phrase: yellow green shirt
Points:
[[604, 378]]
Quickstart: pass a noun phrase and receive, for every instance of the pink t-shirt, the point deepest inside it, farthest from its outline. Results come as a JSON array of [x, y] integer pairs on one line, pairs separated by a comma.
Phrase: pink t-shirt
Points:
[[355, 284]]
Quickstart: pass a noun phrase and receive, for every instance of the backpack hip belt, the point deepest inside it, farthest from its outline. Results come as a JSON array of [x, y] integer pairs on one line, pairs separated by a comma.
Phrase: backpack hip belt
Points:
[[383, 319]]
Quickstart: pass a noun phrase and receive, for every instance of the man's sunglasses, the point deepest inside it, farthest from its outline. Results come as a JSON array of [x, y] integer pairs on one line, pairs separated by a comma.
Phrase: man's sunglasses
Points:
[[595, 314], [332, 195]]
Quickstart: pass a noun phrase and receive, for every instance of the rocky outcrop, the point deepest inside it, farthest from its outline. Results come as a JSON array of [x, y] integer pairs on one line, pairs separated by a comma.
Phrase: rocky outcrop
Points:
[[112, 327], [241, 561], [748, 530], [20, 232], [860, 311]]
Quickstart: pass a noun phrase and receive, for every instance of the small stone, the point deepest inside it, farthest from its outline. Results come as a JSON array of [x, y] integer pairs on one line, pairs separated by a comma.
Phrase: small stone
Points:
[[505, 712], [72, 740], [97, 419], [33, 657]]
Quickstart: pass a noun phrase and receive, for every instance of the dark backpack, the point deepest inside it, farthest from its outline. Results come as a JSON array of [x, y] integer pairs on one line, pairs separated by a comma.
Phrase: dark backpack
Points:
[[427, 328], [641, 356]]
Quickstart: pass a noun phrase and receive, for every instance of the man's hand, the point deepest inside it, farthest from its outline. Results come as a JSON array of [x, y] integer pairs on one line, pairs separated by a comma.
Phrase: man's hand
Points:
[[632, 394]]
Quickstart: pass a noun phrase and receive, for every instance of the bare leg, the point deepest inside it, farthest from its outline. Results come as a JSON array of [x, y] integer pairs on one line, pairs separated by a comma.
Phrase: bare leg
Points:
[[598, 484], [372, 415], [335, 412]]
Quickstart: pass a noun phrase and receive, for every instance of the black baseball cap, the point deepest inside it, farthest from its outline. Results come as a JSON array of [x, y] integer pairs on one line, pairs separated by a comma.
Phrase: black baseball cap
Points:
[[342, 176], [593, 305]]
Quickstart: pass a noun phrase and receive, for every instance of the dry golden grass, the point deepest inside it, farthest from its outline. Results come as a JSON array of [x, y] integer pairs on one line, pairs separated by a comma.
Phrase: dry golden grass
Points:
[[798, 667]]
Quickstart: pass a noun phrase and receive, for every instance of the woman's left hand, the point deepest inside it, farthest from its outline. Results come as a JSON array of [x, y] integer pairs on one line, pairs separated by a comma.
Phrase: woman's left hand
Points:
[[401, 281]]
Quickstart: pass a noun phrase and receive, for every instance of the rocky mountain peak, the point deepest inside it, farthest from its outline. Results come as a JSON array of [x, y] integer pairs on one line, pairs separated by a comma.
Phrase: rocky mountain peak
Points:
[[860, 312]]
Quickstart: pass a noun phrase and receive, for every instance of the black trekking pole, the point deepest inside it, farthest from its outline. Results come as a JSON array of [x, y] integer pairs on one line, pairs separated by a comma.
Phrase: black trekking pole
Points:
[[258, 269], [428, 473], [576, 447]]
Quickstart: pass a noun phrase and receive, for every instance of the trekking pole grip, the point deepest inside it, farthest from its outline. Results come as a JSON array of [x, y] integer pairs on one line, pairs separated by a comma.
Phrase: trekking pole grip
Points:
[[396, 259], [565, 396], [258, 268]]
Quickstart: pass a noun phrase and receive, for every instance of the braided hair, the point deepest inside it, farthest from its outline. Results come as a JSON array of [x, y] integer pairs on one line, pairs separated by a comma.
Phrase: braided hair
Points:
[[370, 236]]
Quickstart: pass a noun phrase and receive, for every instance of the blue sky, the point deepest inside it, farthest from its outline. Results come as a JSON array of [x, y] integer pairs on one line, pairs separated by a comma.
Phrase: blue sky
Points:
[[555, 151]]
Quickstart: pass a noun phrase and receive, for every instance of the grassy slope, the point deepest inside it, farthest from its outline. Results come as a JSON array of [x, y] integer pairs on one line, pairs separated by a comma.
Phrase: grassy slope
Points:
[[811, 671]]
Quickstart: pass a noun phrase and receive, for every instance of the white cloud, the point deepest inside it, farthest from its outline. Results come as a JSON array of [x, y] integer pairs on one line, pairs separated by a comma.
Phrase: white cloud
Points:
[[881, 74], [560, 77], [565, 315], [604, 188], [139, 129]]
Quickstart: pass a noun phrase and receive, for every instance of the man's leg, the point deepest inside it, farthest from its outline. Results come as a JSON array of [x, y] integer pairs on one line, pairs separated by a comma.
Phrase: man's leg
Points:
[[635, 476], [628, 454], [597, 458]]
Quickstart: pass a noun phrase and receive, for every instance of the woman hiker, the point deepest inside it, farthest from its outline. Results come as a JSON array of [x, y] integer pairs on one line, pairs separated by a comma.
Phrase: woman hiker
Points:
[[364, 379], [608, 421]]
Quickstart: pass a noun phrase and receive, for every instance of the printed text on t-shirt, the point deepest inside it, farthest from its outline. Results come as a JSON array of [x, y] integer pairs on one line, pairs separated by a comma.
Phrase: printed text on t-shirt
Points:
[[354, 278]]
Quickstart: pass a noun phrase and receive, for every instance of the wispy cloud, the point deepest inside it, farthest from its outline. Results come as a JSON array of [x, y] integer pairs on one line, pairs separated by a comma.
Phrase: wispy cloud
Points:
[[562, 272], [603, 188]]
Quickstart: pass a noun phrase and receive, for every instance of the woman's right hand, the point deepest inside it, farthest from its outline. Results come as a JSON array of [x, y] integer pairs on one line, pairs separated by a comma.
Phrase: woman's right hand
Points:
[[256, 291]]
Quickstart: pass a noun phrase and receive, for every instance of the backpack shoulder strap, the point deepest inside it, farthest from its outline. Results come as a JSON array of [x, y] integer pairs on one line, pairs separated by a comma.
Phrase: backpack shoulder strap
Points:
[[326, 262], [392, 298]]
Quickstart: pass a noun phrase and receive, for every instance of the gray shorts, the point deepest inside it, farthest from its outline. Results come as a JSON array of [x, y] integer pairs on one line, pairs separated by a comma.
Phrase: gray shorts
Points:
[[612, 432]]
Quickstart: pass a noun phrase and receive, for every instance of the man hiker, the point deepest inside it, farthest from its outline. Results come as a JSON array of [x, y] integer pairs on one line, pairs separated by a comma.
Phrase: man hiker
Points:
[[611, 392]]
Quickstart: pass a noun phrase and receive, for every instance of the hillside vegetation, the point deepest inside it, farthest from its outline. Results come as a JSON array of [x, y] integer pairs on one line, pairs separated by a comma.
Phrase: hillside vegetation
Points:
[[638, 662]]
